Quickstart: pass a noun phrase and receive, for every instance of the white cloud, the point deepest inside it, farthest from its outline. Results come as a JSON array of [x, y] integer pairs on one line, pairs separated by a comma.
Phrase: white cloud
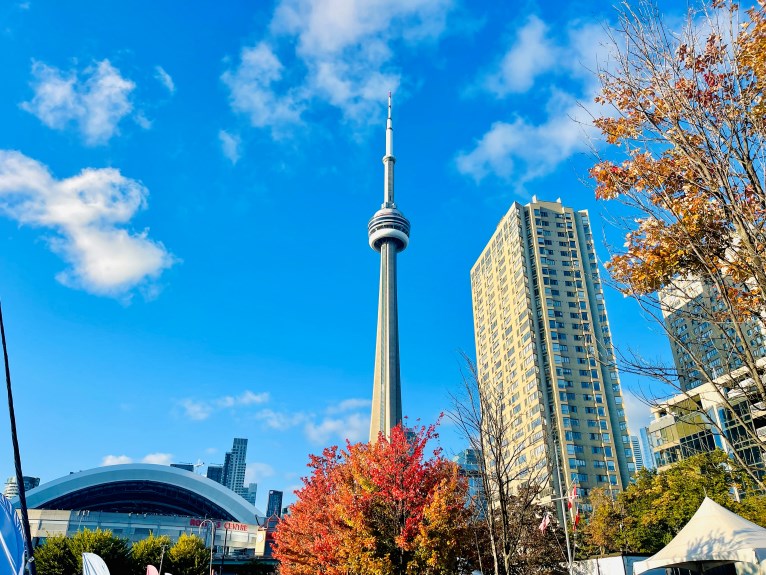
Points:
[[87, 212], [532, 54], [94, 101], [165, 79], [256, 472], [158, 458], [198, 410], [349, 405], [521, 148], [280, 420], [526, 150], [343, 57], [637, 412], [116, 460], [245, 398], [354, 427], [252, 91], [229, 145]]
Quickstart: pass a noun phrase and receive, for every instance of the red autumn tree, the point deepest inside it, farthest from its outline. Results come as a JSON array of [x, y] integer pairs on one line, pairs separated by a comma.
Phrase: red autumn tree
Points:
[[378, 509]]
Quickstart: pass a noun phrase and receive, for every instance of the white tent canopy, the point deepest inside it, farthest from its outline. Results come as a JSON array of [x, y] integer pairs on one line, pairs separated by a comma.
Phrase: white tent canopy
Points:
[[714, 536]]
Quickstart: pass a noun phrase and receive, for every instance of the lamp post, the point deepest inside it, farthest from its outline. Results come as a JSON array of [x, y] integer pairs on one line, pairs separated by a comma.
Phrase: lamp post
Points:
[[225, 540], [162, 556], [212, 540]]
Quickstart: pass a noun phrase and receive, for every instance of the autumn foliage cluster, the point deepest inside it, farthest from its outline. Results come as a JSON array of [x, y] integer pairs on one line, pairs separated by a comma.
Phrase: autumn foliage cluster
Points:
[[382, 508], [687, 113]]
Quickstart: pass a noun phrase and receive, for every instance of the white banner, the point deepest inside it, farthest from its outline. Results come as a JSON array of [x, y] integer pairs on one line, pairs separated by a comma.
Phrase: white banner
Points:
[[11, 539], [92, 564]]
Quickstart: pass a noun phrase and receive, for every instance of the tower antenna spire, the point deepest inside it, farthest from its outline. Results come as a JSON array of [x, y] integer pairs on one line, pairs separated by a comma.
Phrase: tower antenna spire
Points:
[[389, 160]]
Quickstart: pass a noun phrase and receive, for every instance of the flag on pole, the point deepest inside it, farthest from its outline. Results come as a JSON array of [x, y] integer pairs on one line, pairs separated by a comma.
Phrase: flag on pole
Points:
[[545, 522], [92, 564], [572, 496], [151, 570], [576, 520], [12, 549]]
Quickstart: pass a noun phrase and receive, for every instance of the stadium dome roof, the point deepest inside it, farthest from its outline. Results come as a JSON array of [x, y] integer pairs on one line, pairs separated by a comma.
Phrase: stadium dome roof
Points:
[[143, 488]]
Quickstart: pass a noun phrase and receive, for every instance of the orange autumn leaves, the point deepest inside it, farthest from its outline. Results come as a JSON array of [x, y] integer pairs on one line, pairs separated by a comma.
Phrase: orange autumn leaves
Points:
[[377, 509], [689, 119]]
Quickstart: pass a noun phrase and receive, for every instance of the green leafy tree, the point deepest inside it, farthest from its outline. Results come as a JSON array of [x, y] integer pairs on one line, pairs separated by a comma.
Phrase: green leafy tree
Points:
[[55, 557], [114, 550], [189, 556], [603, 532], [149, 551], [650, 512]]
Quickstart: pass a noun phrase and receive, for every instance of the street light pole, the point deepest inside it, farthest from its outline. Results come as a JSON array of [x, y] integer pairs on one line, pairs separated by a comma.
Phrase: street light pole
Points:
[[162, 556], [225, 540], [212, 540]]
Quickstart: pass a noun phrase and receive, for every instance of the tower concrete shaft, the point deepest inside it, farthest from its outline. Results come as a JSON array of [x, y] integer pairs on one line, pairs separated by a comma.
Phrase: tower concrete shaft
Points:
[[388, 232]]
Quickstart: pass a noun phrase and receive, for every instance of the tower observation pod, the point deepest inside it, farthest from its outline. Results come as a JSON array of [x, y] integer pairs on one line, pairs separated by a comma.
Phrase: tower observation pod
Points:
[[389, 234]]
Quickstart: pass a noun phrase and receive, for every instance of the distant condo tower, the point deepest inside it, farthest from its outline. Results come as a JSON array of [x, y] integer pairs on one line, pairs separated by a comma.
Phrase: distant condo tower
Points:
[[389, 234]]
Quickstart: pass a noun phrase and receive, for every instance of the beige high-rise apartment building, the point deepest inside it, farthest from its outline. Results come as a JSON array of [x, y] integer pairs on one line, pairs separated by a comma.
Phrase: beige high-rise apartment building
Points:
[[543, 345]]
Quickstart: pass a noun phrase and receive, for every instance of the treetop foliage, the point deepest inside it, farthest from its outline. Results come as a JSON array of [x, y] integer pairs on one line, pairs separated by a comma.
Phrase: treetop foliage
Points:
[[383, 508]]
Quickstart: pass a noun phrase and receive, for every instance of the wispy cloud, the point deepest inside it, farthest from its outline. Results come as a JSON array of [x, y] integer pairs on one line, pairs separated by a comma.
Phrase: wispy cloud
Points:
[[253, 93], [230, 144], [530, 55], [199, 410], [354, 427], [340, 51], [256, 472], [88, 212], [94, 100], [280, 420], [637, 411], [116, 460], [165, 79], [348, 419], [245, 398], [349, 405], [522, 148], [156, 458]]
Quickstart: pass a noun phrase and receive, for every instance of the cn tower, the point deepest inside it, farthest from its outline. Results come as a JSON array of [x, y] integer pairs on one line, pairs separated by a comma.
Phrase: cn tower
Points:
[[389, 234]]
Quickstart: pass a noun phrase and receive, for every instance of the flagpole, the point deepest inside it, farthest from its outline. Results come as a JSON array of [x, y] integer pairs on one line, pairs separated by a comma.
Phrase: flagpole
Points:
[[563, 508], [16, 457]]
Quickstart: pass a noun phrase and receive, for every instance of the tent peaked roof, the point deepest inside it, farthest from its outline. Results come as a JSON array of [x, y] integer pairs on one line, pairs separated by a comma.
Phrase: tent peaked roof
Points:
[[713, 536]]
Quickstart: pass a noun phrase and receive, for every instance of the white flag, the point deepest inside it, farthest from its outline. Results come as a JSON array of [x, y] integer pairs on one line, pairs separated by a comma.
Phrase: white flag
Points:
[[92, 564], [11, 539]]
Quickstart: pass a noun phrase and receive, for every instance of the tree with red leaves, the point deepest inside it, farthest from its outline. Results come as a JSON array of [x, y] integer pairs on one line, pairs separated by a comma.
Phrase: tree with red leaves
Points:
[[378, 509]]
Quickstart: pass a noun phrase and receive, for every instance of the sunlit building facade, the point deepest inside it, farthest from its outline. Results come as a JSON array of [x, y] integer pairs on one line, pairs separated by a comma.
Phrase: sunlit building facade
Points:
[[543, 344]]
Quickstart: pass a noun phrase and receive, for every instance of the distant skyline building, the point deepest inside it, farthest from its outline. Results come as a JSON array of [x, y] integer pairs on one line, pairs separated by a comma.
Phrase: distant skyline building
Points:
[[388, 232], [637, 453], [468, 462], [251, 492], [544, 346], [215, 472], [274, 505], [702, 349], [184, 466], [235, 465], [12, 488], [646, 448]]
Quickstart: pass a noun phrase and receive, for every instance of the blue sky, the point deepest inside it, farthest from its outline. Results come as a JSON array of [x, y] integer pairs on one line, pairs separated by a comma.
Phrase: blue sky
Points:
[[184, 194]]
